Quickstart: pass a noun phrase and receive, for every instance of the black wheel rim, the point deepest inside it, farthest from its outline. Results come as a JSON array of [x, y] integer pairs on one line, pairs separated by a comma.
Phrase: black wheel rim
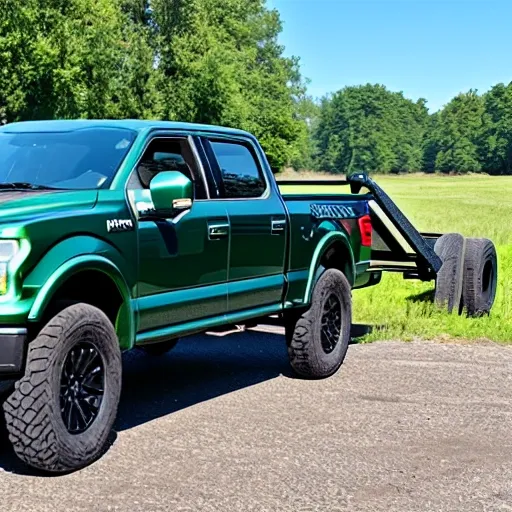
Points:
[[82, 387], [331, 323]]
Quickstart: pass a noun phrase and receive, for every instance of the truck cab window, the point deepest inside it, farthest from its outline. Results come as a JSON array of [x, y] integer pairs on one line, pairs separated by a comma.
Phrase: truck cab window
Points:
[[165, 154], [241, 174]]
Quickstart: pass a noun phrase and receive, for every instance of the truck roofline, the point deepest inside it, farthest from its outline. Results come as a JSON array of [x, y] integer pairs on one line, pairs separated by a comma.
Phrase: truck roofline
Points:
[[137, 125]]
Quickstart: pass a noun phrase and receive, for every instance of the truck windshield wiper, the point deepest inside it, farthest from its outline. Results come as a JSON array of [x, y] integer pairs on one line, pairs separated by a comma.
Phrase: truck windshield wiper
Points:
[[16, 185]]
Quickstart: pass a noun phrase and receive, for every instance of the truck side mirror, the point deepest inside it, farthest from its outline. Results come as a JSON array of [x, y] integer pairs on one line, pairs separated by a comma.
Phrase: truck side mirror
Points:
[[171, 191]]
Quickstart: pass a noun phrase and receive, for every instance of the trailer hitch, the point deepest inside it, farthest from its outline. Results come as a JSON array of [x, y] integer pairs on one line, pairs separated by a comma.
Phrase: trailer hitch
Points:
[[423, 249]]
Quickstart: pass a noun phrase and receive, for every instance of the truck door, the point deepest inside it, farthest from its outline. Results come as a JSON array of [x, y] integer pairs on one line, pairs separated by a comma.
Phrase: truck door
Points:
[[257, 221], [182, 259]]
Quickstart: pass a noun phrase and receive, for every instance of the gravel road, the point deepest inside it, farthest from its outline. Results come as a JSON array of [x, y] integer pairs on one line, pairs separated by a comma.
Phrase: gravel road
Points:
[[219, 424]]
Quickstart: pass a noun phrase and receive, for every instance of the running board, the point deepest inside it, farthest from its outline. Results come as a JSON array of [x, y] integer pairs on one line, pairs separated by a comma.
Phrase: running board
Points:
[[419, 245]]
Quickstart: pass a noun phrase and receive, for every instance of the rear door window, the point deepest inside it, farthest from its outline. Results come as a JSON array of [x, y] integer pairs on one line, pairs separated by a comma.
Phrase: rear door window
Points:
[[241, 173]]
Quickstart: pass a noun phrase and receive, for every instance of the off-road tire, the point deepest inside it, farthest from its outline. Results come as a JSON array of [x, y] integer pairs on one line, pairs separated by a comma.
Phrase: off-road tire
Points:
[[289, 322], [33, 411], [308, 357], [480, 277], [159, 349], [451, 249]]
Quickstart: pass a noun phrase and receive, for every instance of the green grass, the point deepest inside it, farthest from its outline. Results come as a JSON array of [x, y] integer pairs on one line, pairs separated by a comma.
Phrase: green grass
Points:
[[475, 206]]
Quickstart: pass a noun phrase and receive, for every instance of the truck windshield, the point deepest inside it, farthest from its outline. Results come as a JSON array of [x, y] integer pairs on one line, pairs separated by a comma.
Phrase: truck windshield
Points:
[[81, 159]]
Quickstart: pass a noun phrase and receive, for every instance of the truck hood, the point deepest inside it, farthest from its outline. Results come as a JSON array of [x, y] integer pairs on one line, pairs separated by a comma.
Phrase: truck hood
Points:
[[19, 205]]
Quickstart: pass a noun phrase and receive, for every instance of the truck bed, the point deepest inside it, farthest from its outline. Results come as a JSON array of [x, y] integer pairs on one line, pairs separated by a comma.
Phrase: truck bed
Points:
[[396, 244]]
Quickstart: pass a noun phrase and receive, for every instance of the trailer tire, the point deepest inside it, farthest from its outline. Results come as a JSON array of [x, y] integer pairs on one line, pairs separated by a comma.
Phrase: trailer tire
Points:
[[480, 277], [73, 364], [451, 249], [319, 343]]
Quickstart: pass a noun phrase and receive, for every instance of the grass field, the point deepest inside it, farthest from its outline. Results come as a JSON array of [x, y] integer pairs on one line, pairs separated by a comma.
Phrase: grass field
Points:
[[475, 206]]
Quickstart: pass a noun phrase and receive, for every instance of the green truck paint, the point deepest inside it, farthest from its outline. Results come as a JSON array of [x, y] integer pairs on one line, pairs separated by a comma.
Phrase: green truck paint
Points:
[[223, 260]]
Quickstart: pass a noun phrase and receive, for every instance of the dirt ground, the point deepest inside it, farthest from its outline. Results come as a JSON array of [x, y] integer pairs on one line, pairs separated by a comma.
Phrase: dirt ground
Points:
[[220, 424]]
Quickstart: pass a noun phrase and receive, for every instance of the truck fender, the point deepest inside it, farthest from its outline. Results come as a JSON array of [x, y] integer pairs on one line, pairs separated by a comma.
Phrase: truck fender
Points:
[[125, 324], [315, 269]]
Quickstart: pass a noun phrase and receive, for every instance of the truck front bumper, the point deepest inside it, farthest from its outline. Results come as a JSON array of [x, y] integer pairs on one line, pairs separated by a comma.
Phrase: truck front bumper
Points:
[[13, 341]]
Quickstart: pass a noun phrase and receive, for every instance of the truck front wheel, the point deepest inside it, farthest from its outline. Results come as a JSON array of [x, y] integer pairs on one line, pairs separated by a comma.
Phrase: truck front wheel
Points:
[[60, 414], [320, 338]]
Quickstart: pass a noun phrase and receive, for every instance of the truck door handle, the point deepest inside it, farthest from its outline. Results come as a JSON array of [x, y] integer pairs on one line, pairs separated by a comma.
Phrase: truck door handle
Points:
[[278, 226], [217, 231]]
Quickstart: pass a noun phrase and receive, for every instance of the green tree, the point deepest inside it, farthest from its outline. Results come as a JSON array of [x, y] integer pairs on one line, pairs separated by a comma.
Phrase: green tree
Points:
[[368, 128], [430, 144], [191, 60], [411, 121], [497, 139], [76, 58], [459, 132], [222, 64], [307, 111]]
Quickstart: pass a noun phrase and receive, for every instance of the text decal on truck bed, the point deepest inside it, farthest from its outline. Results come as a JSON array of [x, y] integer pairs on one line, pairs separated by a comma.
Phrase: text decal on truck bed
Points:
[[332, 211], [118, 225]]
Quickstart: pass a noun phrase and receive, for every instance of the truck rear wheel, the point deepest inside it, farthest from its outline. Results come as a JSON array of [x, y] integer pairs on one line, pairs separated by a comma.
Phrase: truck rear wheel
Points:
[[321, 335], [450, 248], [480, 277], [61, 413]]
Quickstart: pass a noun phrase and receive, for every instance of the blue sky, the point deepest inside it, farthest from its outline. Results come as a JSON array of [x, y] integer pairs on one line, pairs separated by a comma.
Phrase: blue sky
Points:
[[426, 48]]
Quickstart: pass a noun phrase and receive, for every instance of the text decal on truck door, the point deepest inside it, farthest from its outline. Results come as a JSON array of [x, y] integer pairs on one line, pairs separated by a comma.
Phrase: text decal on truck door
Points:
[[118, 225]]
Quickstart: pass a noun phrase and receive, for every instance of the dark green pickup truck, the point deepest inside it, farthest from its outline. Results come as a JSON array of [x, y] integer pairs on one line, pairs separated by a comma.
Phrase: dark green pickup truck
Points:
[[123, 234]]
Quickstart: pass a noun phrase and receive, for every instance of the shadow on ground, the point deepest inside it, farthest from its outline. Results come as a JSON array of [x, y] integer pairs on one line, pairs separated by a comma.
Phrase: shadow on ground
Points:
[[427, 296], [199, 368]]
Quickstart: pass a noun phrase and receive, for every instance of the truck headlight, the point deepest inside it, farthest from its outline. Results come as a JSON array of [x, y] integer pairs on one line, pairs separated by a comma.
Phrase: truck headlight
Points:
[[8, 250]]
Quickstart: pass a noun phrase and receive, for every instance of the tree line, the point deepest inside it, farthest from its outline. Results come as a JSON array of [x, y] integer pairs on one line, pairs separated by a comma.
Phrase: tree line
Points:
[[221, 63], [369, 128], [200, 61]]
